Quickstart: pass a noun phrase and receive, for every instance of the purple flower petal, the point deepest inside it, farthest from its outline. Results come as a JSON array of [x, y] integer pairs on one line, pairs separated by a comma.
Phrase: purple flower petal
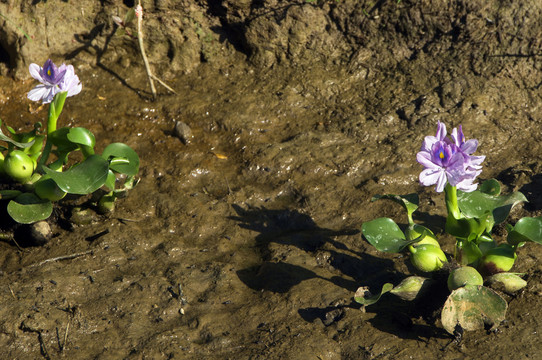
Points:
[[35, 70], [71, 83], [469, 146], [424, 158], [42, 93], [448, 160], [53, 80], [441, 131], [430, 177]]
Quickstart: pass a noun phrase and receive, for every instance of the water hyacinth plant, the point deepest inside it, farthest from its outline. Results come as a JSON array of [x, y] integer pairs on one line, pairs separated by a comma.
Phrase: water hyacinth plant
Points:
[[472, 212], [35, 167]]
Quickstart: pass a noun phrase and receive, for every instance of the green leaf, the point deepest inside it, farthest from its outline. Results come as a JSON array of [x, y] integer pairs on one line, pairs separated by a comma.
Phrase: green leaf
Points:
[[491, 187], [129, 17], [35, 149], [409, 202], [385, 235], [9, 194], [81, 136], [84, 178], [59, 138], [111, 180], [469, 228], [120, 150], [475, 204], [526, 229], [27, 208], [364, 297], [472, 307], [9, 140]]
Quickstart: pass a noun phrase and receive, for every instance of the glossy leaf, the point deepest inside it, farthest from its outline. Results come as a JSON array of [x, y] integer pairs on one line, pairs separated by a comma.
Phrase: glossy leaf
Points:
[[385, 235], [469, 228], [472, 307], [475, 204], [120, 150], [9, 140], [9, 194], [84, 178], [491, 187], [526, 229], [81, 136], [364, 297], [111, 180], [60, 139], [27, 208]]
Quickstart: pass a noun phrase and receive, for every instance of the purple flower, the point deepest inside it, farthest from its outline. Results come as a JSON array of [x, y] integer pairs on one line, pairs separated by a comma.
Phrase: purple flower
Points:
[[53, 80], [449, 161], [467, 148]]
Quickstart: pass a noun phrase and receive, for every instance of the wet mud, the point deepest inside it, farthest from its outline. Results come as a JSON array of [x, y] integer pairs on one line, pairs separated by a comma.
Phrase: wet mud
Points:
[[244, 242]]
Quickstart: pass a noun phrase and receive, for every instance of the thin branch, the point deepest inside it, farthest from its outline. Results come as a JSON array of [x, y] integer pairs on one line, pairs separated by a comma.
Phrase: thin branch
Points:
[[150, 75], [139, 15], [65, 257], [163, 84]]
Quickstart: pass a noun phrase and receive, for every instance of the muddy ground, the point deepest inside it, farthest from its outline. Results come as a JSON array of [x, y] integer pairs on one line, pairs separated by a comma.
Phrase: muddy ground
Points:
[[244, 243]]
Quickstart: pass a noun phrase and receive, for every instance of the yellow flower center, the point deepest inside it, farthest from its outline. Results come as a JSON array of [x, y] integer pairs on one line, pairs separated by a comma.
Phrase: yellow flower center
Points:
[[441, 155]]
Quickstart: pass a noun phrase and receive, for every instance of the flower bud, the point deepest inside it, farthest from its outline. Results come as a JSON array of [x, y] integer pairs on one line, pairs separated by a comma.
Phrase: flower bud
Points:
[[427, 257], [462, 276], [18, 165], [47, 189], [411, 288], [509, 282], [497, 260]]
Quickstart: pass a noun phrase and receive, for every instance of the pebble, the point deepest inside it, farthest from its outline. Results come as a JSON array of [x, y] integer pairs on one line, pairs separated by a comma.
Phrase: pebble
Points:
[[183, 132]]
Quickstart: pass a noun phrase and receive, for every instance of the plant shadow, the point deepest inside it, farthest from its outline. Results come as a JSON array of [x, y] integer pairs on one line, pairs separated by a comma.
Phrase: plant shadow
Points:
[[294, 229]]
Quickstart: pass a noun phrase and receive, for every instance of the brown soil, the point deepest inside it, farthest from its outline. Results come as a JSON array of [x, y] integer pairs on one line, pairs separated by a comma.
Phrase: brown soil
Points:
[[300, 111]]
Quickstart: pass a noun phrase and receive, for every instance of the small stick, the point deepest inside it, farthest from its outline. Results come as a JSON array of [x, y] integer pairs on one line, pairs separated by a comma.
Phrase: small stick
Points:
[[66, 335], [139, 15], [150, 75], [63, 346], [65, 257], [163, 84], [12, 293], [16, 244]]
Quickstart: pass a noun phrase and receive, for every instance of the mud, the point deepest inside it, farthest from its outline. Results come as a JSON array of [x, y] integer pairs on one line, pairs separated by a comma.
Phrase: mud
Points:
[[244, 243]]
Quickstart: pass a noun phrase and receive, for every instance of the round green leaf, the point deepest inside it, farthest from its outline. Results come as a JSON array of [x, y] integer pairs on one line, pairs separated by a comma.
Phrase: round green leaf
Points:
[[476, 204], [385, 235], [9, 194], [27, 208], [81, 136], [472, 307], [491, 187], [526, 229], [60, 139], [120, 150], [84, 178]]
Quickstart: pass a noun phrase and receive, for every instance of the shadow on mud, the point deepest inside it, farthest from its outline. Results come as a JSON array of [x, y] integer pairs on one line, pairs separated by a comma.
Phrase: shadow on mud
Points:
[[291, 228], [294, 229]]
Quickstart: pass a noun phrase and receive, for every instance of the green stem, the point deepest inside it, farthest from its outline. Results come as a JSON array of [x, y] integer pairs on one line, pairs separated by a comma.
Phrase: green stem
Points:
[[55, 108], [451, 201]]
